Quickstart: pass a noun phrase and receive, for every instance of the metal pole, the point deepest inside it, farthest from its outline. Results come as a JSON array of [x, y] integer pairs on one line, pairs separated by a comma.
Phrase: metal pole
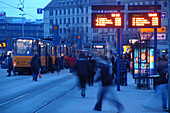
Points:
[[22, 25], [118, 59], [155, 51], [169, 52]]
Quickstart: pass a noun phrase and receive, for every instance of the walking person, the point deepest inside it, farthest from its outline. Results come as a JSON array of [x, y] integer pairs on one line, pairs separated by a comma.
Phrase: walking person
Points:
[[161, 84], [92, 68], [10, 64], [50, 64], [106, 90], [81, 65], [35, 66], [124, 65], [71, 62]]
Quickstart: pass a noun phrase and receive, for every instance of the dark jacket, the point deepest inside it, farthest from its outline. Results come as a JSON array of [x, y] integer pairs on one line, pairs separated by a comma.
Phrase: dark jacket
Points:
[[124, 65], [35, 63], [50, 63], [92, 64], [81, 65], [10, 63], [162, 69], [105, 76]]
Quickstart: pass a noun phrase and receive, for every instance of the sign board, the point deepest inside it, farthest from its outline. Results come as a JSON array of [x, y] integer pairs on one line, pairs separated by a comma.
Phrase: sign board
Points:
[[161, 30], [160, 36], [98, 46], [107, 20], [151, 30], [144, 20], [146, 62], [55, 33], [127, 49], [39, 11], [2, 45], [133, 41], [2, 15], [163, 15]]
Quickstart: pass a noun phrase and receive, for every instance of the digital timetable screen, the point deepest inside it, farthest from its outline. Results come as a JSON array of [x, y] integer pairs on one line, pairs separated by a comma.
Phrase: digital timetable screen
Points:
[[107, 20], [144, 20]]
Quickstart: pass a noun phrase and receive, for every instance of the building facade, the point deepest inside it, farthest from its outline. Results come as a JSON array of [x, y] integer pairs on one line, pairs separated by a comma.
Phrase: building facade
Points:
[[11, 27], [74, 19]]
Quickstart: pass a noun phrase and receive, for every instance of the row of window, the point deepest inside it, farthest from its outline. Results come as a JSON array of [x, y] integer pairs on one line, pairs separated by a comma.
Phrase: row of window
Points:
[[75, 2], [69, 20], [165, 4], [106, 38], [78, 10], [73, 30], [20, 28], [20, 33]]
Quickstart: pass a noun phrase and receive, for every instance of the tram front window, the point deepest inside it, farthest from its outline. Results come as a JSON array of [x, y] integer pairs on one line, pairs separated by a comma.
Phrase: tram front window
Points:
[[23, 47]]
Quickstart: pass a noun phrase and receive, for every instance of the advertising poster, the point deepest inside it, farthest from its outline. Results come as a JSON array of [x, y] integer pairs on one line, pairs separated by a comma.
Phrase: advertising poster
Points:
[[147, 61]]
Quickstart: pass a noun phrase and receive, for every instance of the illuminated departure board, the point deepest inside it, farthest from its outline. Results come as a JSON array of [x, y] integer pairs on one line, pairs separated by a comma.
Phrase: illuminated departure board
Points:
[[144, 20], [107, 20]]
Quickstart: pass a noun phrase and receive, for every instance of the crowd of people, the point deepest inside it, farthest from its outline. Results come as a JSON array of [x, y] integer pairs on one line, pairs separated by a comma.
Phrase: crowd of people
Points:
[[88, 70]]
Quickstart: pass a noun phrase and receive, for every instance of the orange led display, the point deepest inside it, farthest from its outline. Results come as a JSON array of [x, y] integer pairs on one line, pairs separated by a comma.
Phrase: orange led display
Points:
[[107, 20], [103, 21], [144, 20]]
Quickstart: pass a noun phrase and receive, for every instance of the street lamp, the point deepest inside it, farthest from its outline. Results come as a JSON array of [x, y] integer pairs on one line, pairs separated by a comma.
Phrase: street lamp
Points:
[[22, 25]]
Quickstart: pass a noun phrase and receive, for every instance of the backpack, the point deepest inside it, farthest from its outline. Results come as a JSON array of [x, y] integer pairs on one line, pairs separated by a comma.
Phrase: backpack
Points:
[[105, 75]]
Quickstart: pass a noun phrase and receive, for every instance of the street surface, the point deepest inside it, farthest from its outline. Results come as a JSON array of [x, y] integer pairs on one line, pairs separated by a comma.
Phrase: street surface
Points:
[[55, 93]]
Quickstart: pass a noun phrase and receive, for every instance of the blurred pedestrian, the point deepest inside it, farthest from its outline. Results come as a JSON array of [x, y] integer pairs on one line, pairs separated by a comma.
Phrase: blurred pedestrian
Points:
[[58, 63], [66, 62], [106, 90], [81, 65], [10, 64], [124, 66], [50, 64], [35, 66], [92, 64], [71, 62], [161, 84]]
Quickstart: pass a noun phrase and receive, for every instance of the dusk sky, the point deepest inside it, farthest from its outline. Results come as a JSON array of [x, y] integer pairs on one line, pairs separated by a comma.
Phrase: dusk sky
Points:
[[30, 7]]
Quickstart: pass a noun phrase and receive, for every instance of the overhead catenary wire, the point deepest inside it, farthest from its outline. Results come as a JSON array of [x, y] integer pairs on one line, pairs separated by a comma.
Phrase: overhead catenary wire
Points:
[[18, 9]]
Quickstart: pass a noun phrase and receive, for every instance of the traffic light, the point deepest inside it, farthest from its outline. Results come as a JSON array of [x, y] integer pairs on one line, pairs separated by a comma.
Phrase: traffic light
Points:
[[55, 33]]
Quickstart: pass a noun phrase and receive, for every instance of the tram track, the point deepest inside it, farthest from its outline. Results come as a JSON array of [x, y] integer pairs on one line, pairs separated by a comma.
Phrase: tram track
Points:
[[38, 89], [59, 96]]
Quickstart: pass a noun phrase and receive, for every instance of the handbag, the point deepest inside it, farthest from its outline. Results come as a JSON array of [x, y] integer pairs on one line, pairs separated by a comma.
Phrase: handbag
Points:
[[39, 74], [8, 71]]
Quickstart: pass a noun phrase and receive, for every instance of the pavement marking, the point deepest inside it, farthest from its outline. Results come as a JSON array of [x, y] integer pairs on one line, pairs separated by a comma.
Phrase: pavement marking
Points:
[[14, 99]]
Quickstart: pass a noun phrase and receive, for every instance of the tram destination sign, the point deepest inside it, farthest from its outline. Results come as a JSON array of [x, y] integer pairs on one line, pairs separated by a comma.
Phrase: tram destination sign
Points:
[[144, 20], [107, 20]]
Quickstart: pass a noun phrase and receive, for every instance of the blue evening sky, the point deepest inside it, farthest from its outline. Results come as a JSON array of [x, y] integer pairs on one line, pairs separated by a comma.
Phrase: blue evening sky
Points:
[[30, 7]]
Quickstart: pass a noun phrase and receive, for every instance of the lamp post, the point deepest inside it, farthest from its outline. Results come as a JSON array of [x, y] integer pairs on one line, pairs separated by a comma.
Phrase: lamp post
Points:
[[22, 25]]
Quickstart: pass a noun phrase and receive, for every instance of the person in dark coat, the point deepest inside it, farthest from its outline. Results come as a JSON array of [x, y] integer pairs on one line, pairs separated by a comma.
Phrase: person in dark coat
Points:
[[124, 66], [106, 90], [58, 63], [92, 72], [71, 62], [81, 65], [35, 66], [161, 84], [50, 64], [10, 64]]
